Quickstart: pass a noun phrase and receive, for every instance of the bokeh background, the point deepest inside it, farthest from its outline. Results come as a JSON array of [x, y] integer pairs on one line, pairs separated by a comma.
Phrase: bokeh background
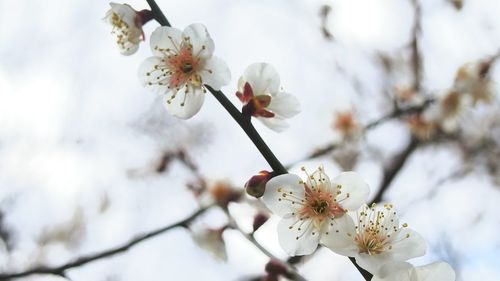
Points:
[[80, 138]]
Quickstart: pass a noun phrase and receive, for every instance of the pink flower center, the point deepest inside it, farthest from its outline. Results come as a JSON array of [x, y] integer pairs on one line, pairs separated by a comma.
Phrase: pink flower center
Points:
[[184, 67], [320, 205]]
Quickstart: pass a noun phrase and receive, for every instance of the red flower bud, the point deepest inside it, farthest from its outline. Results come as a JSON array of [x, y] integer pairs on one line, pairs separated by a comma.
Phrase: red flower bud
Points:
[[256, 185]]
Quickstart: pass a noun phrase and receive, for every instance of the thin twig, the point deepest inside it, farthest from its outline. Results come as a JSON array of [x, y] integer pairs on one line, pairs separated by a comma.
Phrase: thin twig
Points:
[[61, 270]]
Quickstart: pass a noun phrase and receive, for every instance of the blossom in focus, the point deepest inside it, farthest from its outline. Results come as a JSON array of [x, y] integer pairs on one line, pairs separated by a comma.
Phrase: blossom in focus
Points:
[[127, 26], [211, 240], [472, 79], [345, 123], [403, 271], [183, 63], [313, 211], [259, 91], [377, 239]]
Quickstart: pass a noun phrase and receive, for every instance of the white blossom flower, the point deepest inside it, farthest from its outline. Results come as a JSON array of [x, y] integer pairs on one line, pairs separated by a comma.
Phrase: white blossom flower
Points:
[[183, 63], [127, 26], [403, 271], [377, 238], [313, 209], [211, 240], [259, 91]]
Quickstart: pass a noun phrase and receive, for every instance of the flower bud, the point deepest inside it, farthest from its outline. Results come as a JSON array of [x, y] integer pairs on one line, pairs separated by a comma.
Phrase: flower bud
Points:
[[256, 185]]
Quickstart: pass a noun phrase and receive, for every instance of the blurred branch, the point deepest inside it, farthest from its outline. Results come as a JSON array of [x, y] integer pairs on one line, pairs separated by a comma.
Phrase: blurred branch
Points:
[[61, 270], [292, 273], [324, 12], [396, 165], [396, 113], [416, 59]]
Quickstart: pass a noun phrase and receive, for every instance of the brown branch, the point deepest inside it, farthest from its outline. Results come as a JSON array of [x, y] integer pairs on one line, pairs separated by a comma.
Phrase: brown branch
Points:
[[396, 165], [61, 270], [416, 58]]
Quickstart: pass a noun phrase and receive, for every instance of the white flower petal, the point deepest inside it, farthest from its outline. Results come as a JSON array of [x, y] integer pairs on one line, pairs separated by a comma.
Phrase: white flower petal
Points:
[[285, 105], [219, 74], [319, 179], [129, 49], [407, 248], [275, 199], [203, 45], [277, 124], [355, 186], [298, 242], [435, 271], [165, 38], [263, 78], [192, 100], [395, 271], [340, 236], [148, 75]]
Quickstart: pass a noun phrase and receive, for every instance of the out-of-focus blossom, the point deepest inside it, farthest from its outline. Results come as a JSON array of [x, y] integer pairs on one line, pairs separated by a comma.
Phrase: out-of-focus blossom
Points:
[[472, 79], [183, 63], [422, 128], [448, 110], [211, 240], [127, 26], [259, 91], [406, 94], [314, 210], [345, 123], [403, 271], [377, 238], [220, 193]]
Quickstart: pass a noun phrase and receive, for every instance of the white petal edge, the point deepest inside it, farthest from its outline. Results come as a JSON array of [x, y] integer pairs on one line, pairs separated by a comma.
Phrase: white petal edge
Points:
[[263, 78], [192, 104], [285, 105], [219, 74], [200, 37], [277, 124], [273, 195], [407, 248], [394, 271], [435, 271], [160, 40], [355, 186], [306, 242]]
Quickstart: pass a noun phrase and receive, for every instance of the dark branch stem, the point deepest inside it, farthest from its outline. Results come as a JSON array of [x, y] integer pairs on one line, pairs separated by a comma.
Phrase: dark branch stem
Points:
[[249, 129], [394, 168], [60, 270], [416, 58]]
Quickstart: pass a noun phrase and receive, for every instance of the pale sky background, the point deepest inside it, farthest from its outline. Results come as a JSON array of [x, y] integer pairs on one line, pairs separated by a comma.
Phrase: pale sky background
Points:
[[72, 118]]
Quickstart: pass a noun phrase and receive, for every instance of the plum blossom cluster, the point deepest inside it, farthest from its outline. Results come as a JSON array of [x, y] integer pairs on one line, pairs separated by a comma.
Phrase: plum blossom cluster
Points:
[[333, 213], [183, 67], [315, 210], [472, 86]]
